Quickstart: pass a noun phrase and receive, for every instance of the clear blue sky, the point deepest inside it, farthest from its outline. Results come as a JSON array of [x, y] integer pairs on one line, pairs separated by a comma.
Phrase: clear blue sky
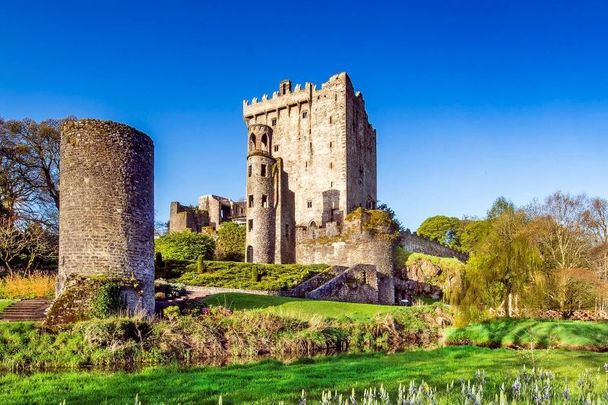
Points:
[[471, 100]]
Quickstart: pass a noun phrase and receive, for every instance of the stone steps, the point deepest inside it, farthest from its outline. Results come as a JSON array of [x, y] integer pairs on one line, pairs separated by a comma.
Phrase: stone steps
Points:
[[25, 310]]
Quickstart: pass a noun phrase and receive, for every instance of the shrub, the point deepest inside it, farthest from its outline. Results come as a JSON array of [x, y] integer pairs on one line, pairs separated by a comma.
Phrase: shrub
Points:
[[200, 264], [36, 285], [185, 246], [270, 277], [106, 300], [230, 244]]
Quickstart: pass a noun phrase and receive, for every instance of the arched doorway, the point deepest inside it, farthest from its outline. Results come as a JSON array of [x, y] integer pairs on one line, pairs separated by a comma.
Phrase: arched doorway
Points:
[[249, 258]]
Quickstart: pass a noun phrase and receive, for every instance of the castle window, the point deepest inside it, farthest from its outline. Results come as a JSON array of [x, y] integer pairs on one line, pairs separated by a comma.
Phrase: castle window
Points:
[[265, 141], [250, 201], [330, 120], [305, 114], [331, 184], [276, 148], [274, 122], [249, 171], [250, 225], [264, 201], [309, 203], [263, 171], [331, 165], [310, 146], [331, 145]]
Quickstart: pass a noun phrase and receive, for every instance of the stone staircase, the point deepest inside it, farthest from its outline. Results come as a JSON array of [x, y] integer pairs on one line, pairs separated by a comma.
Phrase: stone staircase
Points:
[[25, 310]]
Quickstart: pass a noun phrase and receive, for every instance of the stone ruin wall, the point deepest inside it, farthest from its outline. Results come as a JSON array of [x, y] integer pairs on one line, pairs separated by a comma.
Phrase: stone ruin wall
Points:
[[107, 206], [353, 245], [419, 244]]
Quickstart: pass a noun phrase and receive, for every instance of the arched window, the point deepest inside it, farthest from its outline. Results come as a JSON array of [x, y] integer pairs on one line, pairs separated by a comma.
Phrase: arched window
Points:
[[265, 141], [252, 141]]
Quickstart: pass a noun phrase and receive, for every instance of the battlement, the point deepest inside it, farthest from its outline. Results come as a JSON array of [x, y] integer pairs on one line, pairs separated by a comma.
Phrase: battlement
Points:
[[292, 96]]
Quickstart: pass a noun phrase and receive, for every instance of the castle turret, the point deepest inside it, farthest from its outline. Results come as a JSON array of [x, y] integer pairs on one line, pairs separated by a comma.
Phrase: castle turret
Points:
[[260, 199]]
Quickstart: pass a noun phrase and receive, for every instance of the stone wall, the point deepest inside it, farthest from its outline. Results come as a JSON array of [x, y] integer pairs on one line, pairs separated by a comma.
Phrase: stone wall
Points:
[[106, 223], [419, 244], [183, 218], [359, 283], [354, 244]]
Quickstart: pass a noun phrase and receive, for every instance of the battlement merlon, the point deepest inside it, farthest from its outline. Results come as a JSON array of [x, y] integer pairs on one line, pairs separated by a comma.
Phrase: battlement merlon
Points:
[[295, 96]]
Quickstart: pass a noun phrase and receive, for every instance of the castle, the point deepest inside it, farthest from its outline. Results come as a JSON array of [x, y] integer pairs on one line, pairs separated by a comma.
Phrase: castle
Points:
[[311, 160], [311, 163]]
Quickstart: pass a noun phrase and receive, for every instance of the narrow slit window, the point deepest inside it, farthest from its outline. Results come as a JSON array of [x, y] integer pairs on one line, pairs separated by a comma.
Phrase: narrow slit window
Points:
[[250, 224], [309, 203], [263, 171], [264, 201], [274, 122], [276, 148], [249, 171], [250, 200], [305, 114]]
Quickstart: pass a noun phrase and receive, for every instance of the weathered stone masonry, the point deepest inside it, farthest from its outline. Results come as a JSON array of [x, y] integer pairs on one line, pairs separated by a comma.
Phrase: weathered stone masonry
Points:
[[107, 206]]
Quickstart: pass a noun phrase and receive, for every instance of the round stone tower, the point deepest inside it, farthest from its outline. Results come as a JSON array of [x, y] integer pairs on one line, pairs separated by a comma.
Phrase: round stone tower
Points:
[[260, 198], [106, 220]]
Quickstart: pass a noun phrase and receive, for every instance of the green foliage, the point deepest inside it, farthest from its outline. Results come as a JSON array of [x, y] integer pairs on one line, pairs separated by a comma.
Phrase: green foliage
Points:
[[106, 300], [529, 333], [271, 277], [171, 312], [230, 244], [200, 264], [185, 246], [436, 228], [499, 207], [5, 303], [502, 265]]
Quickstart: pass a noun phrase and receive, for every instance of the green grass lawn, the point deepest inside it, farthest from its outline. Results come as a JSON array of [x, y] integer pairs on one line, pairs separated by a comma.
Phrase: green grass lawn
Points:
[[301, 308], [579, 335], [271, 381], [5, 303]]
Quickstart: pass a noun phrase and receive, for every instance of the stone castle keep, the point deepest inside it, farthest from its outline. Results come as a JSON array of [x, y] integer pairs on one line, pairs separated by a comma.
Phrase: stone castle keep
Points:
[[311, 160]]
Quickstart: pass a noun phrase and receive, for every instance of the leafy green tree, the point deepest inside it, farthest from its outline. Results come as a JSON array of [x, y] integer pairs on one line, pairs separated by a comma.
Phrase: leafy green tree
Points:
[[185, 246], [502, 265], [441, 229], [500, 206], [230, 242]]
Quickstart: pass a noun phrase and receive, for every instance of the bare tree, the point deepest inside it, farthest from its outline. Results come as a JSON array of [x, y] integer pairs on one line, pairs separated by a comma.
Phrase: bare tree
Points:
[[565, 241]]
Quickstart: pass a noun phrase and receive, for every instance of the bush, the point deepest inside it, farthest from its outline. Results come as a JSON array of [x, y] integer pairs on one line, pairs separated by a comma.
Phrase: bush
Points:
[[230, 244], [185, 246], [269, 277], [20, 286]]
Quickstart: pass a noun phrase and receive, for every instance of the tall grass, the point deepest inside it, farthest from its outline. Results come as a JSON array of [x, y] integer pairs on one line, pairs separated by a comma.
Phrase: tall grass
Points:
[[36, 285]]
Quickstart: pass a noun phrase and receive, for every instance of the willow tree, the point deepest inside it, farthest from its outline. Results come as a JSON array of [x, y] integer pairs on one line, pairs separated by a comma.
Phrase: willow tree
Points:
[[502, 264]]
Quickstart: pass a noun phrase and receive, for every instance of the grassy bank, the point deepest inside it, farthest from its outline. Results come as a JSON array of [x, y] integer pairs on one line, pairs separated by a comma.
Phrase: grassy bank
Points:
[[214, 337], [528, 333], [302, 308], [269, 277], [5, 303], [270, 381]]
